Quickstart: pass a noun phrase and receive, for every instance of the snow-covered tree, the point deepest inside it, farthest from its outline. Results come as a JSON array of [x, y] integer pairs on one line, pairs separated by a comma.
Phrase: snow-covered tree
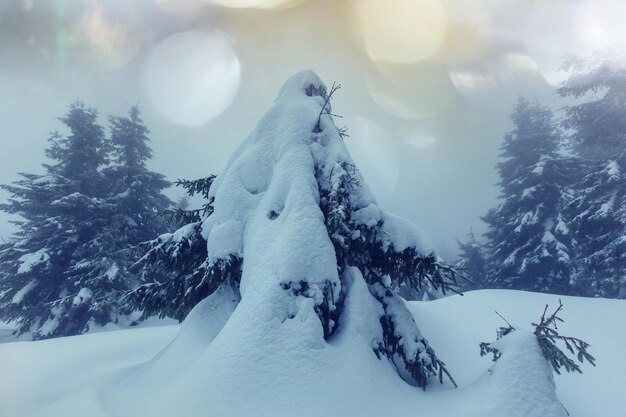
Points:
[[524, 365], [597, 208], [548, 338], [63, 212], [137, 192], [65, 269], [528, 238], [175, 263], [471, 259], [296, 235]]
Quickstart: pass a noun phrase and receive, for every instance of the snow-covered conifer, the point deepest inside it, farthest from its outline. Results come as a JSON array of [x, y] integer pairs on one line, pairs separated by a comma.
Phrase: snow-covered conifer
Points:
[[548, 338], [471, 259], [136, 191], [597, 208], [524, 365], [295, 231], [529, 244], [66, 268], [63, 211], [175, 263]]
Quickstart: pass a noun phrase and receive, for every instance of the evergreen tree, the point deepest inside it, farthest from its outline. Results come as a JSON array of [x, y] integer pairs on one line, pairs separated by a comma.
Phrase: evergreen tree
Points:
[[65, 270], [136, 191], [328, 211], [176, 263], [548, 337], [528, 238], [64, 212], [597, 208], [471, 259]]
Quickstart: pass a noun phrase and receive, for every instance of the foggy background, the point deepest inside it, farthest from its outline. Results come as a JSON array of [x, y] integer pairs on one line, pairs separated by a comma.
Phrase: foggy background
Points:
[[427, 85]]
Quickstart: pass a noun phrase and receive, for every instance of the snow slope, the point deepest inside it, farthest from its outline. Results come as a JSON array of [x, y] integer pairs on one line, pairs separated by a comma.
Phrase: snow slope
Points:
[[110, 374]]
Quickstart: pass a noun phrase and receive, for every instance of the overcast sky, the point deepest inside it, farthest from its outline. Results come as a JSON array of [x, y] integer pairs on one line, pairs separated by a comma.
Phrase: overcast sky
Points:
[[427, 85]]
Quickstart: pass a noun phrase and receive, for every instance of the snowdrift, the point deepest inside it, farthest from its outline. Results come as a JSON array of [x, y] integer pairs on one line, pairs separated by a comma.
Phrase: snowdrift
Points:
[[89, 375]]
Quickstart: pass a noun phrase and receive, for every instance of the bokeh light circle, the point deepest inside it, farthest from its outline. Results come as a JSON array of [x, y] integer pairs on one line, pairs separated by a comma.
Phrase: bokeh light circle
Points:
[[403, 31], [109, 44], [581, 33], [414, 92], [192, 77], [258, 4]]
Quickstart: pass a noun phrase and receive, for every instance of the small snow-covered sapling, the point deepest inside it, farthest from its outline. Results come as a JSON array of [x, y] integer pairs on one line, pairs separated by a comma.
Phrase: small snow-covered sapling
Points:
[[546, 332], [547, 336]]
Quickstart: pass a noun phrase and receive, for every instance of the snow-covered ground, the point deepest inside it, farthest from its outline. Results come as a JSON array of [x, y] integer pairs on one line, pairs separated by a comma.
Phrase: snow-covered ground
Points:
[[116, 373]]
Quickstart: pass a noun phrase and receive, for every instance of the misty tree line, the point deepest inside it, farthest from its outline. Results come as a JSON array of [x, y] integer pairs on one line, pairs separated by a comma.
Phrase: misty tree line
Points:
[[561, 224]]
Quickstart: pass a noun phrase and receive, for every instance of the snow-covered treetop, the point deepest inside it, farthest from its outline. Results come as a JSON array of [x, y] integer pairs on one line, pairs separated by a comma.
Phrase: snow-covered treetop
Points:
[[302, 83], [274, 169], [291, 224]]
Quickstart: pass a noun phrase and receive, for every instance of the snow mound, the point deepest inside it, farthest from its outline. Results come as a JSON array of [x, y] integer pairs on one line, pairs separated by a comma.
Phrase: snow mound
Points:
[[521, 382], [87, 375]]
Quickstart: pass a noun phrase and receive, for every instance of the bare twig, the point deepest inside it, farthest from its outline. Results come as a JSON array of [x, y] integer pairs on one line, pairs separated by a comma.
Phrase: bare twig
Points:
[[326, 107], [507, 322]]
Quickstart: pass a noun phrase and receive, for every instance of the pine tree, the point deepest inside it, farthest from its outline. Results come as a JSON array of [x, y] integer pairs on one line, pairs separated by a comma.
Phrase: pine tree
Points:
[[524, 364], [528, 238], [327, 210], [597, 208], [547, 335], [65, 270], [137, 191], [64, 212], [471, 259], [363, 242], [177, 262]]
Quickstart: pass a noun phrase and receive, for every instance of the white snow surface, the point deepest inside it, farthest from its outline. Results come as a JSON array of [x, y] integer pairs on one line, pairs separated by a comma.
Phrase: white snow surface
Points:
[[116, 373], [403, 234]]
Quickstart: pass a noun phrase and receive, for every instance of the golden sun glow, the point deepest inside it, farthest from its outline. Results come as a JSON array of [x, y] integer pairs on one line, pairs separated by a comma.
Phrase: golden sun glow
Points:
[[403, 32]]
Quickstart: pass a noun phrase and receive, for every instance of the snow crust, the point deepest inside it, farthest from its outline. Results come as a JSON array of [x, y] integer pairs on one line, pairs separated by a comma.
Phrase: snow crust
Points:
[[83, 295], [30, 260], [19, 296], [612, 170], [403, 234], [111, 374]]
